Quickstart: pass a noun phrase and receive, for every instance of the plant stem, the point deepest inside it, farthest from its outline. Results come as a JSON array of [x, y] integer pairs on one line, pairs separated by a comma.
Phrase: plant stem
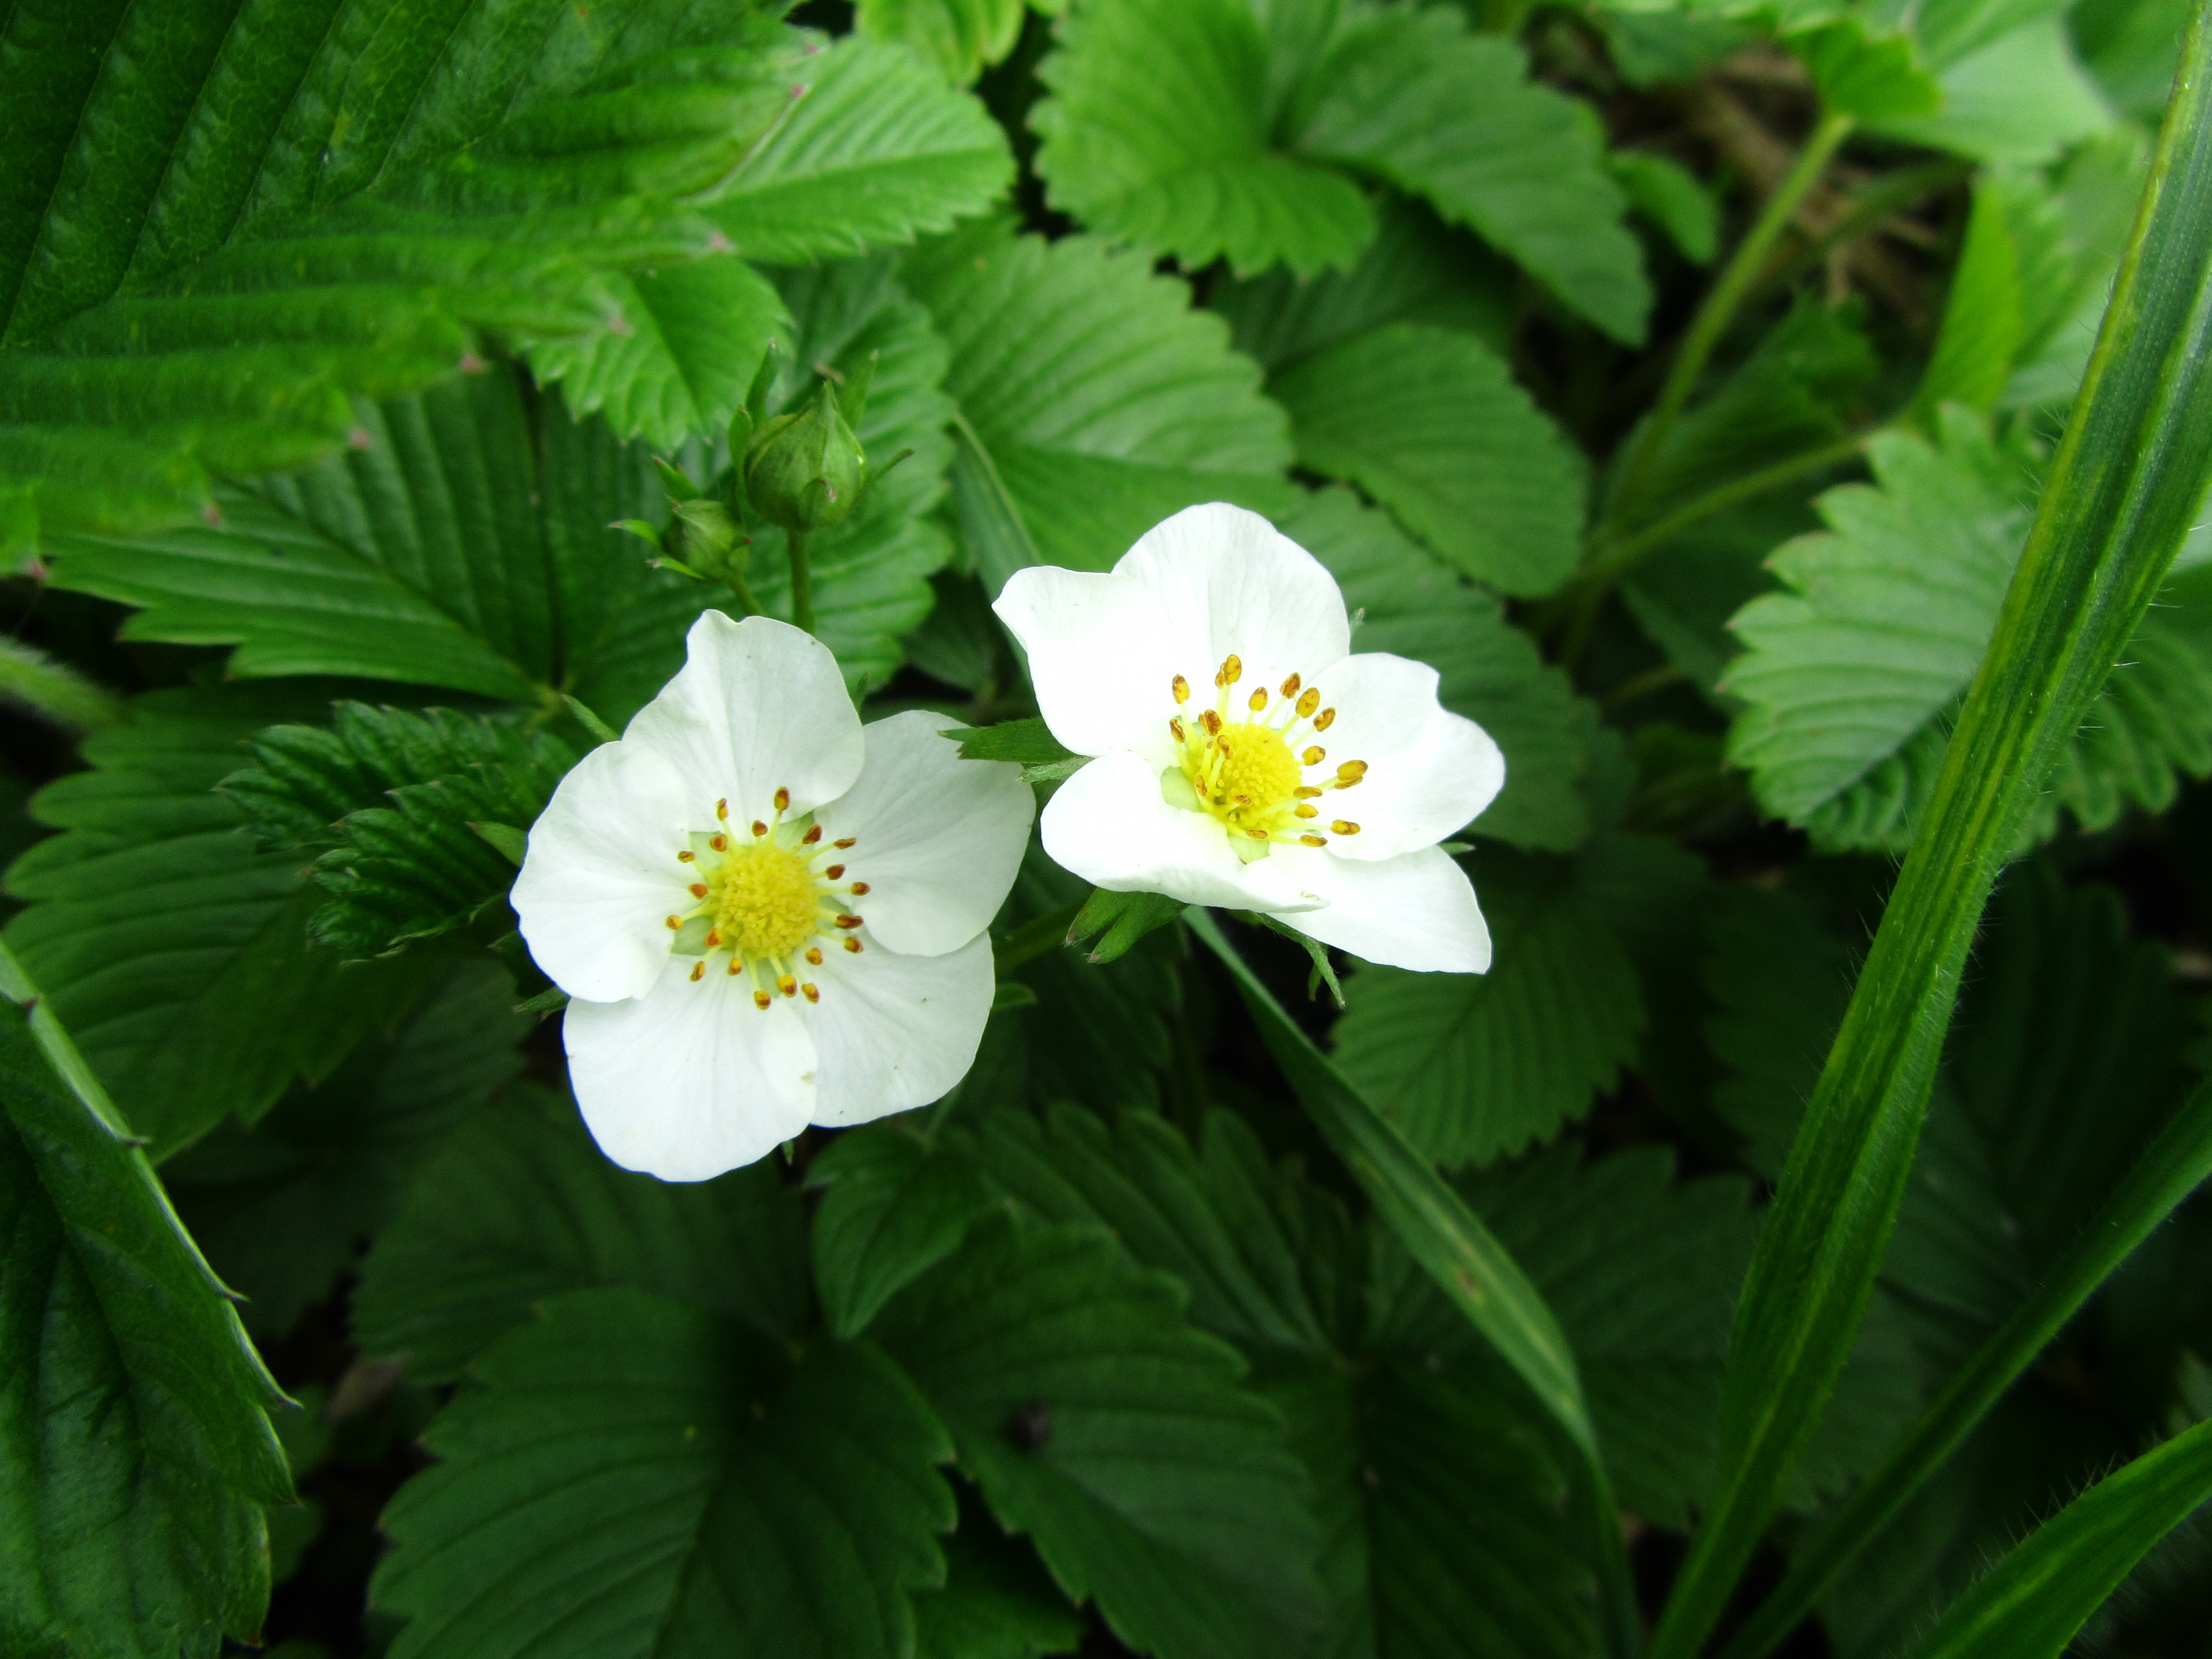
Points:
[[1720, 306], [1884, 197], [802, 582], [2122, 494], [743, 592], [2169, 1170]]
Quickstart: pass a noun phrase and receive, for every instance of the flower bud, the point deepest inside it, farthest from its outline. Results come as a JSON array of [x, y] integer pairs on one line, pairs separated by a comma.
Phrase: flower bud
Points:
[[703, 534], [805, 471]]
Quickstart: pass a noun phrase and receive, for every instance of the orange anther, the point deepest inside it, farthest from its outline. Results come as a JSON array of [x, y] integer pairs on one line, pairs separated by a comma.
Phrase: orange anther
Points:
[[1350, 773], [810, 993], [676, 922], [1211, 722], [759, 829], [1257, 701], [686, 856], [1182, 689], [1323, 721], [761, 1000], [859, 888], [722, 808], [813, 833], [1313, 841], [851, 944], [1305, 811], [783, 800], [814, 955], [713, 937], [1291, 686], [698, 969], [787, 984], [1175, 729], [1314, 756], [834, 871], [849, 922], [1345, 827], [1309, 702], [720, 843], [841, 845], [698, 889], [1232, 669]]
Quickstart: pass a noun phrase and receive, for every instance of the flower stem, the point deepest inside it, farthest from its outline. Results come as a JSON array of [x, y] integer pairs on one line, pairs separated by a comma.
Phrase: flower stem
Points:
[[1721, 304], [802, 582], [743, 592]]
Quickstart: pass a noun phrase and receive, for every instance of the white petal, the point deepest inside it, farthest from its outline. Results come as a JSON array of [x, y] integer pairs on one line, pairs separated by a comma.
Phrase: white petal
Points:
[[690, 1079], [1429, 771], [937, 838], [1108, 824], [1098, 656], [1417, 911], [758, 706], [895, 1031], [1230, 581], [600, 874]]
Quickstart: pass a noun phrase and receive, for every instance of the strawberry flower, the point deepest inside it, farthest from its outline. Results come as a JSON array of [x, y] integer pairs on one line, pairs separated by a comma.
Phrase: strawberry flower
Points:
[[1244, 755], [766, 915]]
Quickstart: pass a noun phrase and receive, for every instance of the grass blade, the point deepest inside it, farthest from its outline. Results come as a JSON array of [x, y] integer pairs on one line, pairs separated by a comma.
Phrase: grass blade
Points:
[[2170, 1169], [1453, 1246], [2122, 492]]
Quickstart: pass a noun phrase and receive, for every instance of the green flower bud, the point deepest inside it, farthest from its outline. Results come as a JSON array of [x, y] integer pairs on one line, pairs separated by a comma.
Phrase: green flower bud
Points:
[[805, 471], [703, 534]]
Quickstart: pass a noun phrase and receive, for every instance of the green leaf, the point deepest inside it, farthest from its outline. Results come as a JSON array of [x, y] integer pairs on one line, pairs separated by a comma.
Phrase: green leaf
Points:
[[1028, 743], [1120, 920], [1117, 1437], [959, 37], [2023, 98], [136, 1453], [178, 299], [1093, 402], [892, 1208], [1983, 324], [43, 685], [1469, 1066], [1428, 423], [1669, 195], [2034, 1600], [1411, 606], [995, 1604], [877, 151], [280, 1207], [176, 948], [1411, 95], [520, 1206], [1158, 133], [1861, 70], [783, 1505], [419, 867]]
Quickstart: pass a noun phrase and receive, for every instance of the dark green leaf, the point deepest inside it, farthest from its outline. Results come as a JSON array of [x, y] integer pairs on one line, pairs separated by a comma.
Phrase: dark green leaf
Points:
[[997, 1603], [893, 1208], [785, 1507]]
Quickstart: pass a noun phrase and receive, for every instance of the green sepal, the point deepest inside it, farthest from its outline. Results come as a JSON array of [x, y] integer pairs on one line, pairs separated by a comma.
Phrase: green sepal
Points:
[[1322, 973], [676, 481], [1029, 743], [1125, 918], [549, 1001], [1012, 994]]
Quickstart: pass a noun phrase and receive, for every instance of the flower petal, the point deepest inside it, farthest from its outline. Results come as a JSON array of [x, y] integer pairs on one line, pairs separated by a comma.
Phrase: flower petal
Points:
[[758, 706], [897, 1031], [1109, 825], [939, 838], [1098, 658], [1230, 581], [1429, 771], [600, 873], [1417, 911], [690, 1079]]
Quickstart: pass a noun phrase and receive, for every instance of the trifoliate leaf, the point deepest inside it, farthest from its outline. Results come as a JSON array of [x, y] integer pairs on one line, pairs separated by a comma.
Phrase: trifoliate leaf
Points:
[[177, 300], [893, 1208], [959, 37], [1450, 115], [137, 1452], [1099, 1423], [652, 1478], [1428, 423], [1411, 606], [174, 949], [877, 151], [417, 868], [1093, 402], [1472, 1066], [1418, 270], [282, 1207], [1158, 133], [521, 1206]]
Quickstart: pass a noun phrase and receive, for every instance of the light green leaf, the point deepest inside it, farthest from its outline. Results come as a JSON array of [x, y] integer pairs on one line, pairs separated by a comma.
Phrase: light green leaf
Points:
[[1469, 1066], [1983, 325], [51, 689], [776, 1504], [1158, 133], [180, 297], [959, 37], [677, 359], [1411, 606], [1428, 423], [175, 949], [280, 1207], [1863, 71], [892, 1208], [1117, 1437], [1669, 195], [1095, 401], [137, 1452], [520, 1206], [417, 867], [2023, 97], [1411, 95], [877, 151]]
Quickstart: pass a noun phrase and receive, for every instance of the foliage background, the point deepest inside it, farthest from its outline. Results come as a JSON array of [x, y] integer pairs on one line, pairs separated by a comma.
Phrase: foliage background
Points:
[[308, 449]]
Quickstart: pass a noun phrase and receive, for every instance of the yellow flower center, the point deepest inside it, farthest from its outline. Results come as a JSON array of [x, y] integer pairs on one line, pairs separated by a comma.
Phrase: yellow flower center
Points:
[[1252, 774], [766, 903]]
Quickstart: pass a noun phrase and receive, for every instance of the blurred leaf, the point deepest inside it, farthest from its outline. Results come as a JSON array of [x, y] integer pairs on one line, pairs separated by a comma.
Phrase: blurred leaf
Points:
[[784, 1504], [1983, 322], [520, 1206], [997, 1603], [1860, 71], [2022, 97], [137, 1452], [1093, 402], [175, 949], [1672, 196], [959, 37], [1427, 422]]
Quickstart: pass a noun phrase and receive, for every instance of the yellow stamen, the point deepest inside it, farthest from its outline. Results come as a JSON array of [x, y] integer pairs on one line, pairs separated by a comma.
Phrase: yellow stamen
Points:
[[813, 833], [1182, 689], [783, 800], [1232, 669], [698, 972], [1309, 702], [860, 889], [814, 955], [787, 984], [759, 829], [1345, 827], [1291, 686], [851, 944], [1257, 701], [722, 809], [760, 1000], [810, 993], [1313, 841], [1323, 721], [1314, 756]]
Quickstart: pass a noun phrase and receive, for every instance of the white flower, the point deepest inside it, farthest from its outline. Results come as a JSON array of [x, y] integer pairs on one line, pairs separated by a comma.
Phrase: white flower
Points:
[[766, 915], [1244, 759]]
